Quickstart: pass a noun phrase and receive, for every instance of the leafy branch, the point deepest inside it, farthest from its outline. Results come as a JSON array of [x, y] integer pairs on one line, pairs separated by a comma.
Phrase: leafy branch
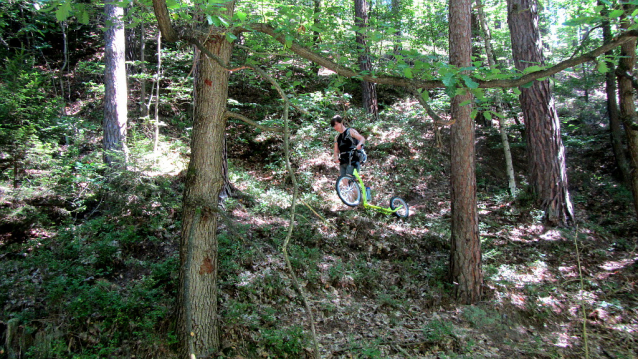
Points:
[[409, 83]]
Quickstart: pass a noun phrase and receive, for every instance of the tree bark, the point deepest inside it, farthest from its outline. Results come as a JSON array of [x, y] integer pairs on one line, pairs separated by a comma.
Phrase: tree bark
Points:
[[615, 124], [627, 104], [546, 154], [115, 95], [368, 89], [197, 322], [465, 254]]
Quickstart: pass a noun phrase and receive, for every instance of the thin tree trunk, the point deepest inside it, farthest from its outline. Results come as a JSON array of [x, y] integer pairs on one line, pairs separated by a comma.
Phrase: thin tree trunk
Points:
[[65, 43], [546, 153], [465, 253], [115, 89], [368, 89], [627, 104], [316, 36], [398, 20], [198, 321], [143, 107], [156, 122], [615, 124], [509, 166]]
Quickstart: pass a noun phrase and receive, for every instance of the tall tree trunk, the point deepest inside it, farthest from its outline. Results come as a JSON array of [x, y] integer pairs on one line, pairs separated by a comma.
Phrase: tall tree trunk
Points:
[[465, 254], [142, 107], [156, 121], [627, 104], [615, 124], [115, 89], [316, 36], [546, 153], [398, 20], [198, 319], [368, 89], [509, 166]]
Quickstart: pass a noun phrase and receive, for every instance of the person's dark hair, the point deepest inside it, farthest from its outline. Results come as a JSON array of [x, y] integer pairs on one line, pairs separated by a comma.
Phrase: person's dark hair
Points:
[[336, 119]]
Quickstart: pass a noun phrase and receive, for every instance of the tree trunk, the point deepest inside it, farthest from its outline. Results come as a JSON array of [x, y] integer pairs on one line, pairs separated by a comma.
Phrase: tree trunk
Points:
[[546, 153], [615, 124], [509, 166], [142, 106], [156, 121], [398, 20], [115, 96], [204, 181], [368, 89], [316, 36], [627, 104], [465, 255]]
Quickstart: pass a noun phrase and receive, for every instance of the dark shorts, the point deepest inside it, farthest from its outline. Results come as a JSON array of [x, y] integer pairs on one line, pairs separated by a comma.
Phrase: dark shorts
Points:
[[346, 168]]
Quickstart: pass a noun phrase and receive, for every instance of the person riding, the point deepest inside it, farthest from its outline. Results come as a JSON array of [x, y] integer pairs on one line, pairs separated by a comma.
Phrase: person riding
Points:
[[346, 141]]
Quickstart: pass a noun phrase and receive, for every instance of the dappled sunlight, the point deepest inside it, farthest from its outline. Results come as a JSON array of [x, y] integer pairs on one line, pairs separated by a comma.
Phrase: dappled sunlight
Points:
[[616, 265], [169, 162]]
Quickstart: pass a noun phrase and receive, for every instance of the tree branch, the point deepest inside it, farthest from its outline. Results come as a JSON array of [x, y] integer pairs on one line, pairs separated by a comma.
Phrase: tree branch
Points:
[[404, 82], [164, 21], [237, 116]]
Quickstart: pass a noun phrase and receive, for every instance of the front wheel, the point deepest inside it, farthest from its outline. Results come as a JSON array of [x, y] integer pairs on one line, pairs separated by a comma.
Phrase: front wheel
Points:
[[348, 191], [403, 210]]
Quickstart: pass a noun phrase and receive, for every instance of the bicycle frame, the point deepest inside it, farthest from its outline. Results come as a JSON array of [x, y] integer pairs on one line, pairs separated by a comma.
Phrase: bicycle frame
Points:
[[366, 205]]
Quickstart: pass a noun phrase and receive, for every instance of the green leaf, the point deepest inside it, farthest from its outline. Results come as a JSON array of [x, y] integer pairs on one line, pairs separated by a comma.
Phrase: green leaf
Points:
[[407, 72], [474, 113], [602, 67], [528, 85], [230, 37], [448, 79], [533, 68], [241, 15], [425, 95], [289, 41], [62, 13], [488, 115], [469, 82], [172, 4], [616, 13], [84, 18], [465, 103]]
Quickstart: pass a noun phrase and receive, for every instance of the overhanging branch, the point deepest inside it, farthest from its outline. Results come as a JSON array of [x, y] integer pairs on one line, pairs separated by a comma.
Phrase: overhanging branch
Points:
[[411, 83]]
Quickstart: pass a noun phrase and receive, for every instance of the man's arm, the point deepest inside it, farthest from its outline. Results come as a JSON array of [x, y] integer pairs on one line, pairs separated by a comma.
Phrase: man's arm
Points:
[[358, 136], [335, 157]]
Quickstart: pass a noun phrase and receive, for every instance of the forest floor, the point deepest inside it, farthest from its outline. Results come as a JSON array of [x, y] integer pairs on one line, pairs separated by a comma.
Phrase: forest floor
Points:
[[377, 285], [101, 282]]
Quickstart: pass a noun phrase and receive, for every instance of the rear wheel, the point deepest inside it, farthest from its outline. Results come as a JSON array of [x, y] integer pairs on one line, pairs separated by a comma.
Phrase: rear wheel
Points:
[[403, 211], [348, 191]]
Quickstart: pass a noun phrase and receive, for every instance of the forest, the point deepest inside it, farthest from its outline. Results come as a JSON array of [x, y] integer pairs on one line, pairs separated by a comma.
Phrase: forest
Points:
[[168, 183]]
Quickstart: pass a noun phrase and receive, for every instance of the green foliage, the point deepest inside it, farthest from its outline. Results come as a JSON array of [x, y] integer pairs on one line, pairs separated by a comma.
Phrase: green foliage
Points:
[[438, 330], [284, 343]]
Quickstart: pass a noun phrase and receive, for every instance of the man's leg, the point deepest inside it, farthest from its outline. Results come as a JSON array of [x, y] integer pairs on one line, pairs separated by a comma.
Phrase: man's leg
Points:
[[343, 169], [350, 168]]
